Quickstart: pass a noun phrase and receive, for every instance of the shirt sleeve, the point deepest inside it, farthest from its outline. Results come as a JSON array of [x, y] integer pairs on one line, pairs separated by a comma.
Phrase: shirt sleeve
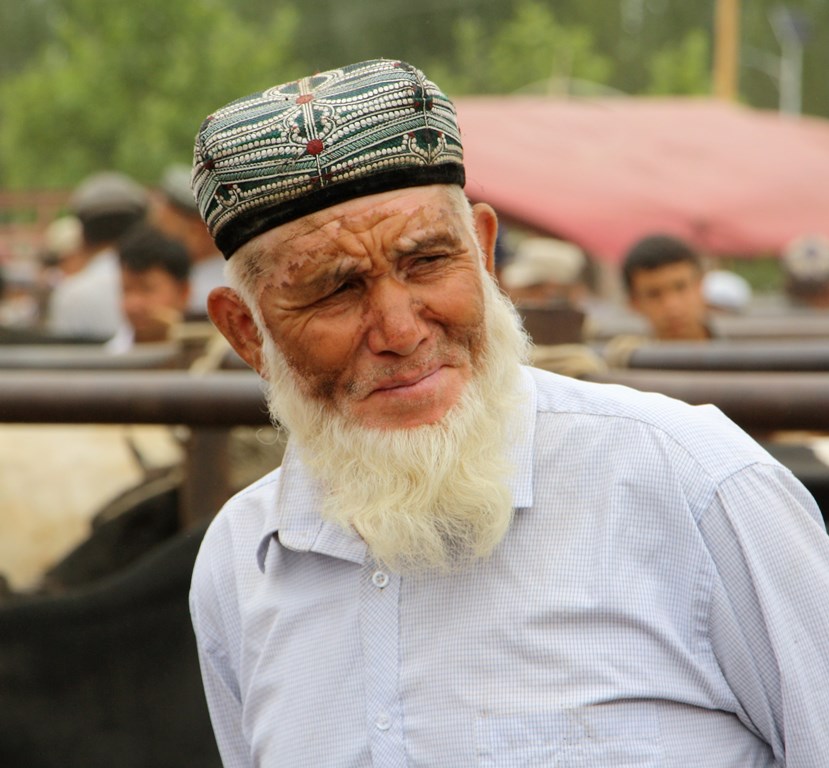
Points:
[[220, 680], [769, 619]]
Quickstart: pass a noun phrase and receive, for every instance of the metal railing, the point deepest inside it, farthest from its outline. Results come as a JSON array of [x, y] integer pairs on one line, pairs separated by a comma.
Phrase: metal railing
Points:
[[760, 402], [211, 404], [786, 355]]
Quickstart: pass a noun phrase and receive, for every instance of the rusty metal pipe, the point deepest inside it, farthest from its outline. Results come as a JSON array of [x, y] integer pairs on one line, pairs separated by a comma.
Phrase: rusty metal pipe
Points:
[[729, 355], [758, 402], [224, 399]]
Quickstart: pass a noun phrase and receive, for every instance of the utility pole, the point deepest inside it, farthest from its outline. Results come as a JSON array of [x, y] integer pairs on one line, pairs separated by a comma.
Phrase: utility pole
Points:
[[726, 49], [792, 29]]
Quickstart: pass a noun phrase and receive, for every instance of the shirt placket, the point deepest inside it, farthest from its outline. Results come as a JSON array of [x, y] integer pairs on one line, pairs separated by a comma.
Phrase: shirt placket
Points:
[[380, 629]]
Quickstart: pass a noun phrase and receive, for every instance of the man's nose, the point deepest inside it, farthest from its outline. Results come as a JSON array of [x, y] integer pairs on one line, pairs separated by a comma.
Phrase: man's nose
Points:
[[674, 302], [395, 324]]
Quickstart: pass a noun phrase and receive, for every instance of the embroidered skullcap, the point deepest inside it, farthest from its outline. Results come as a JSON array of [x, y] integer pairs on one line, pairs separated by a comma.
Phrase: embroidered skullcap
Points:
[[293, 149]]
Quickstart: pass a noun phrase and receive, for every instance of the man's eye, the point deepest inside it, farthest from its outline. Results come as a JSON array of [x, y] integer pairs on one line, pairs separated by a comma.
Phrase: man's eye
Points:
[[424, 262], [343, 288], [346, 286]]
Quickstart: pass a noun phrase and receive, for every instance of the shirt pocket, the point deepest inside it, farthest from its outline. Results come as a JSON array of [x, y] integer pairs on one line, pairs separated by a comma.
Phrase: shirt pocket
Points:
[[606, 736]]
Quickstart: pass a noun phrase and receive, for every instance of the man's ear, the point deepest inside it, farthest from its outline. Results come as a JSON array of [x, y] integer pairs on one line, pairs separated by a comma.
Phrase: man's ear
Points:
[[233, 318], [486, 227]]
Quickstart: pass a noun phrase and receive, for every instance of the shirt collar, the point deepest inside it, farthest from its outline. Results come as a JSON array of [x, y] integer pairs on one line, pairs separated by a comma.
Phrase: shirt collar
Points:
[[295, 520]]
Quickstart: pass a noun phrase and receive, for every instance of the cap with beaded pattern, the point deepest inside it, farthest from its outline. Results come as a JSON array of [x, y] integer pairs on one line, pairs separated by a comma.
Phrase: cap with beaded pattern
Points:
[[293, 149]]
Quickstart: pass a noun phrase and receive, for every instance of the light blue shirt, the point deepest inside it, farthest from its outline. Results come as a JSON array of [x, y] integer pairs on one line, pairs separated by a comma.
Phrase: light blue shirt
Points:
[[661, 599]]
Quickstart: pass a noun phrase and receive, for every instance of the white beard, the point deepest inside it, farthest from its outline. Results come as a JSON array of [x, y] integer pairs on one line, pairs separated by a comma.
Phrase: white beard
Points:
[[432, 497]]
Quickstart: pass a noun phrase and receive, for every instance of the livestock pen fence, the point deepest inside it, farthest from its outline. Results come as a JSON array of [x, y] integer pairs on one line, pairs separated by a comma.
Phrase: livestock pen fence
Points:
[[211, 404]]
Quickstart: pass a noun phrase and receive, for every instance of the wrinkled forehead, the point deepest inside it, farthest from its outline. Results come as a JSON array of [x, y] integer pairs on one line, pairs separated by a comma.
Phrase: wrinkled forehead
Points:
[[416, 214]]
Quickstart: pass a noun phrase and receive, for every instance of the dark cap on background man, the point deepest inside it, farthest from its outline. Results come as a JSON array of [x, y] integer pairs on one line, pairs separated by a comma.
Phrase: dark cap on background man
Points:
[[108, 204], [293, 149]]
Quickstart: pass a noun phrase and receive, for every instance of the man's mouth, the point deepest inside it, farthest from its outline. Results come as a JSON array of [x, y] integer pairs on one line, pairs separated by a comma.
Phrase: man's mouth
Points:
[[407, 380]]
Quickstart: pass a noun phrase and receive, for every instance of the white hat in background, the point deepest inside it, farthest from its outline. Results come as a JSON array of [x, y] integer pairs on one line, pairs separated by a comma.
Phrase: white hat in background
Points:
[[540, 260], [726, 290], [63, 236]]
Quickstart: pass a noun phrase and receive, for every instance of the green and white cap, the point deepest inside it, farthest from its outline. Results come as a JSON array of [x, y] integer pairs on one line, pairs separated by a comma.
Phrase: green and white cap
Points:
[[293, 149]]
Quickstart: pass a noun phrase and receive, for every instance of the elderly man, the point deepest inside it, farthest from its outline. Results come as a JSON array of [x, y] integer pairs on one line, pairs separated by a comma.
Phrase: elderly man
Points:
[[463, 561]]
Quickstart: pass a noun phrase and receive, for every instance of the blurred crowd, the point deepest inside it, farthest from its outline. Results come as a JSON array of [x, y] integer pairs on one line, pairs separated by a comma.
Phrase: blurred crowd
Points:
[[122, 268], [125, 264]]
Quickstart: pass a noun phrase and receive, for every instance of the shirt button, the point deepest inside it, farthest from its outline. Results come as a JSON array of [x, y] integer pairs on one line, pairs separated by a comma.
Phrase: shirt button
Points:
[[383, 722], [380, 579]]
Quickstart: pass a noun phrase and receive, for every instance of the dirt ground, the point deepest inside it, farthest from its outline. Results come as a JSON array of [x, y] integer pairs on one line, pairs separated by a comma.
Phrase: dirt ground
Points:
[[53, 480]]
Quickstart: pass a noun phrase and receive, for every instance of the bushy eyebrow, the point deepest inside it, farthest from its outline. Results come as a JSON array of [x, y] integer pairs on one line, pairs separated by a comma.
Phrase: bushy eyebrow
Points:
[[335, 273], [429, 243], [331, 277]]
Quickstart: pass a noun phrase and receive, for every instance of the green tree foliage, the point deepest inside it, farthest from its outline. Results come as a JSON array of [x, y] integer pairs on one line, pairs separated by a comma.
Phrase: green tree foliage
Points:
[[25, 25], [761, 52], [683, 69], [529, 51], [89, 84], [125, 86], [336, 32]]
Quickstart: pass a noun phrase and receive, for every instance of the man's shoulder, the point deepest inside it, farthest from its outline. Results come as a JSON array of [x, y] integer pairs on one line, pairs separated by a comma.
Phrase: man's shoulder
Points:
[[255, 499], [556, 393], [701, 432], [102, 268], [242, 518]]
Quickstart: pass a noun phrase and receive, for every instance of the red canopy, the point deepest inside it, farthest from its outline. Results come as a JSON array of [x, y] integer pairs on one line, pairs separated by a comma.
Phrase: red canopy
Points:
[[603, 173]]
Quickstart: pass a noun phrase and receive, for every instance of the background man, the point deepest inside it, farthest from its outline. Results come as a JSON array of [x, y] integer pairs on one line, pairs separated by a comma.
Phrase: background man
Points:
[[87, 302], [155, 287], [62, 255], [545, 271], [463, 560], [546, 280], [663, 278]]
